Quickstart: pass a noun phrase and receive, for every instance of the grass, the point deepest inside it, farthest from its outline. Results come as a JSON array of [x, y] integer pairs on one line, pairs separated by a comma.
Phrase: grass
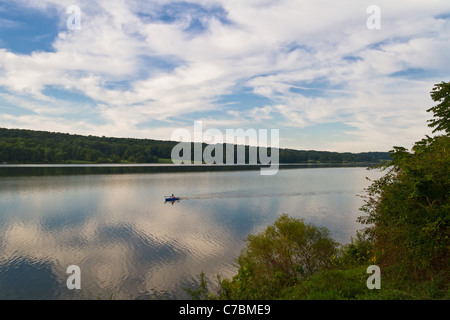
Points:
[[162, 160], [78, 162], [350, 284], [169, 161]]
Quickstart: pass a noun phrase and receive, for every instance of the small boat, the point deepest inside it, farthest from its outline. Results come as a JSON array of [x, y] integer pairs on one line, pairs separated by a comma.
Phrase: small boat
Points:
[[172, 199]]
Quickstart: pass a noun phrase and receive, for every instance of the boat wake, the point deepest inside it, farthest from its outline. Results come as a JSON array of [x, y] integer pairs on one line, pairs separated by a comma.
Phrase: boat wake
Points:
[[235, 195]]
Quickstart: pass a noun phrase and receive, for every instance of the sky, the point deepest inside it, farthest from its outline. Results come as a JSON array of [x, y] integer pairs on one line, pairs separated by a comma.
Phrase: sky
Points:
[[346, 76]]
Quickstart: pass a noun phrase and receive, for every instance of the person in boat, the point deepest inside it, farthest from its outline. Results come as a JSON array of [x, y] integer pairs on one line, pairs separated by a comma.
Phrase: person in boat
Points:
[[172, 202]]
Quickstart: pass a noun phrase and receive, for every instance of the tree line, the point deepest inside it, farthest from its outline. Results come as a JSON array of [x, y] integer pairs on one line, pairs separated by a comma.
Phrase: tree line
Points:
[[29, 146]]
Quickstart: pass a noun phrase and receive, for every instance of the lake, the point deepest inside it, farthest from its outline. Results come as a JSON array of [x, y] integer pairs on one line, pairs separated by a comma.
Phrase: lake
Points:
[[127, 241]]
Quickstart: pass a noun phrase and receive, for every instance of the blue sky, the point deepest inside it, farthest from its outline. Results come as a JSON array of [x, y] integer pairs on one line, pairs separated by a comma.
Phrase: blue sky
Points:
[[312, 69]]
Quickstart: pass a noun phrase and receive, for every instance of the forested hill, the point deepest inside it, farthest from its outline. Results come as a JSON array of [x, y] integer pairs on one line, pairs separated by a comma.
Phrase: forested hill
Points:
[[28, 146]]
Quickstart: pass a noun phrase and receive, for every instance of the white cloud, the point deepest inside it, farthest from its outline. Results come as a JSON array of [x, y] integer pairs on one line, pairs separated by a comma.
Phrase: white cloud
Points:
[[315, 61]]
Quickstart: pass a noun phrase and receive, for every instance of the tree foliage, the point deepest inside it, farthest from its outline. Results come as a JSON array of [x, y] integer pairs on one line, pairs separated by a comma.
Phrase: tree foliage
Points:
[[408, 209], [441, 111], [282, 255], [28, 146]]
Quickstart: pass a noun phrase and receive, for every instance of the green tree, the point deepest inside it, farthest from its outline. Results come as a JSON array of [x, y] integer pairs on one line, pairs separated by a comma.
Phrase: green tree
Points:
[[408, 209], [441, 111], [279, 257]]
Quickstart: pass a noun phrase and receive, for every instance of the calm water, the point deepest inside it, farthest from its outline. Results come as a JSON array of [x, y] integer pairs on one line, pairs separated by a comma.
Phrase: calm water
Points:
[[128, 241]]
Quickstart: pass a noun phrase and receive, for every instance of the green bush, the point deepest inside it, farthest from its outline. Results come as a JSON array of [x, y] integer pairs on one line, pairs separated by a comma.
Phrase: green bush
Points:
[[331, 285], [279, 257], [409, 209]]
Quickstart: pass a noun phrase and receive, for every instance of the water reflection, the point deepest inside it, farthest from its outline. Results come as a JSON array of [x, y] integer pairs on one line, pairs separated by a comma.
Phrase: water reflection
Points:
[[126, 240]]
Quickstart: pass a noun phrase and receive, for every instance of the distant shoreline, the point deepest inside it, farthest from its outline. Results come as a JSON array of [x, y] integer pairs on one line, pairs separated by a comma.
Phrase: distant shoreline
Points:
[[12, 165], [8, 170], [20, 146]]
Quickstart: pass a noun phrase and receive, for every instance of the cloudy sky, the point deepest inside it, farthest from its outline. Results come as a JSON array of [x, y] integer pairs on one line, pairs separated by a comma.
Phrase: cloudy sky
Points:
[[330, 75]]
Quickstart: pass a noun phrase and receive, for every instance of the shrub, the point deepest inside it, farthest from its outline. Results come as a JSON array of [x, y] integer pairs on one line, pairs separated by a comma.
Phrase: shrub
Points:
[[277, 258]]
